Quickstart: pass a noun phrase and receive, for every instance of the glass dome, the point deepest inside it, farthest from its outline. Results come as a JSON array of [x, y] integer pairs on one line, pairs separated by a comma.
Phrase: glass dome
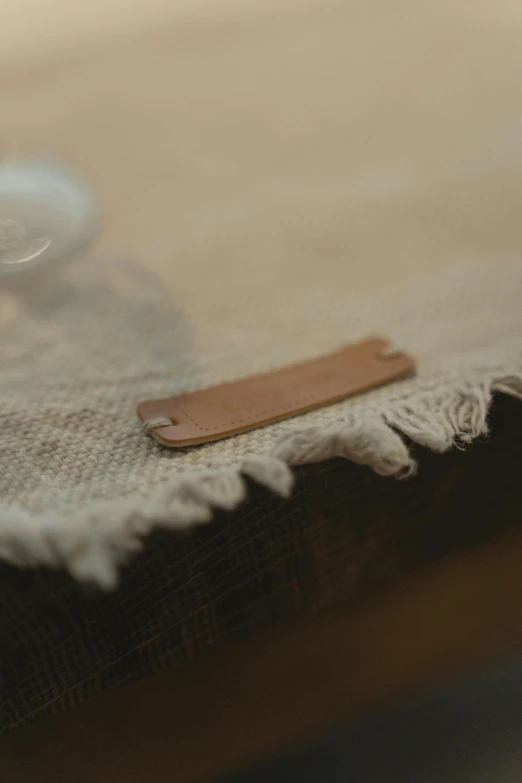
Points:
[[45, 213]]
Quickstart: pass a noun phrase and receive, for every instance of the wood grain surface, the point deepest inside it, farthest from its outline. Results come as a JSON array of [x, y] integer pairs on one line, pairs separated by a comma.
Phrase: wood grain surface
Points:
[[254, 697]]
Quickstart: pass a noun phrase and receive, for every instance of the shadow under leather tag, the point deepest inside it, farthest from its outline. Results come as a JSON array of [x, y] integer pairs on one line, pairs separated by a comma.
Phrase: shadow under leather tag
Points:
[[231, 408]]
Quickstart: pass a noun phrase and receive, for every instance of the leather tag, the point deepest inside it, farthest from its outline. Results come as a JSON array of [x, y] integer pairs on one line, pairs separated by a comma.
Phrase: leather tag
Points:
[[231, 408]]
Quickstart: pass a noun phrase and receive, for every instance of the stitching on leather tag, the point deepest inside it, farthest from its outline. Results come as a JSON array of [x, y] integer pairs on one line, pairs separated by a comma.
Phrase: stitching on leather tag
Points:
[[232, 408]]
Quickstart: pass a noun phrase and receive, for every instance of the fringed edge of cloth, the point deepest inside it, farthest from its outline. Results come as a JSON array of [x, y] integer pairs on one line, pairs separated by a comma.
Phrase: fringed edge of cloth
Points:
[[93, 545]]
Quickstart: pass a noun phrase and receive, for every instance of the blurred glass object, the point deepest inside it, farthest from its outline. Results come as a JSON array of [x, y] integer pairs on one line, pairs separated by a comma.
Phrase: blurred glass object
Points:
[[46, 213]]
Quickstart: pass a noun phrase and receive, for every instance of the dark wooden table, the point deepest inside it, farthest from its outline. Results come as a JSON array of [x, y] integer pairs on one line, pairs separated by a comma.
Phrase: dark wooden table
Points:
[[430, 590]]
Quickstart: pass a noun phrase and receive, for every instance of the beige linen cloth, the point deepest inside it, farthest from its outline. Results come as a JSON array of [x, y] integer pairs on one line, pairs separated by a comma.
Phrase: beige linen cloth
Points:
[[276, 183]]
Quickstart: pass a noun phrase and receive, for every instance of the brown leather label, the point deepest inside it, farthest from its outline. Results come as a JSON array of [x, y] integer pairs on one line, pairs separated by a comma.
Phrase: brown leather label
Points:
[[231, 408]]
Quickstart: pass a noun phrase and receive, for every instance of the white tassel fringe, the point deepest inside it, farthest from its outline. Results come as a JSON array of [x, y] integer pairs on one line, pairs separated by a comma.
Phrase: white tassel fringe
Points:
[[99, 540]]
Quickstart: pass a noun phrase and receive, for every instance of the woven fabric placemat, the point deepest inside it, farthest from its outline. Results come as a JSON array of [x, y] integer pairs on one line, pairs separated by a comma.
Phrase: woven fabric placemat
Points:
[[275, 184]]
